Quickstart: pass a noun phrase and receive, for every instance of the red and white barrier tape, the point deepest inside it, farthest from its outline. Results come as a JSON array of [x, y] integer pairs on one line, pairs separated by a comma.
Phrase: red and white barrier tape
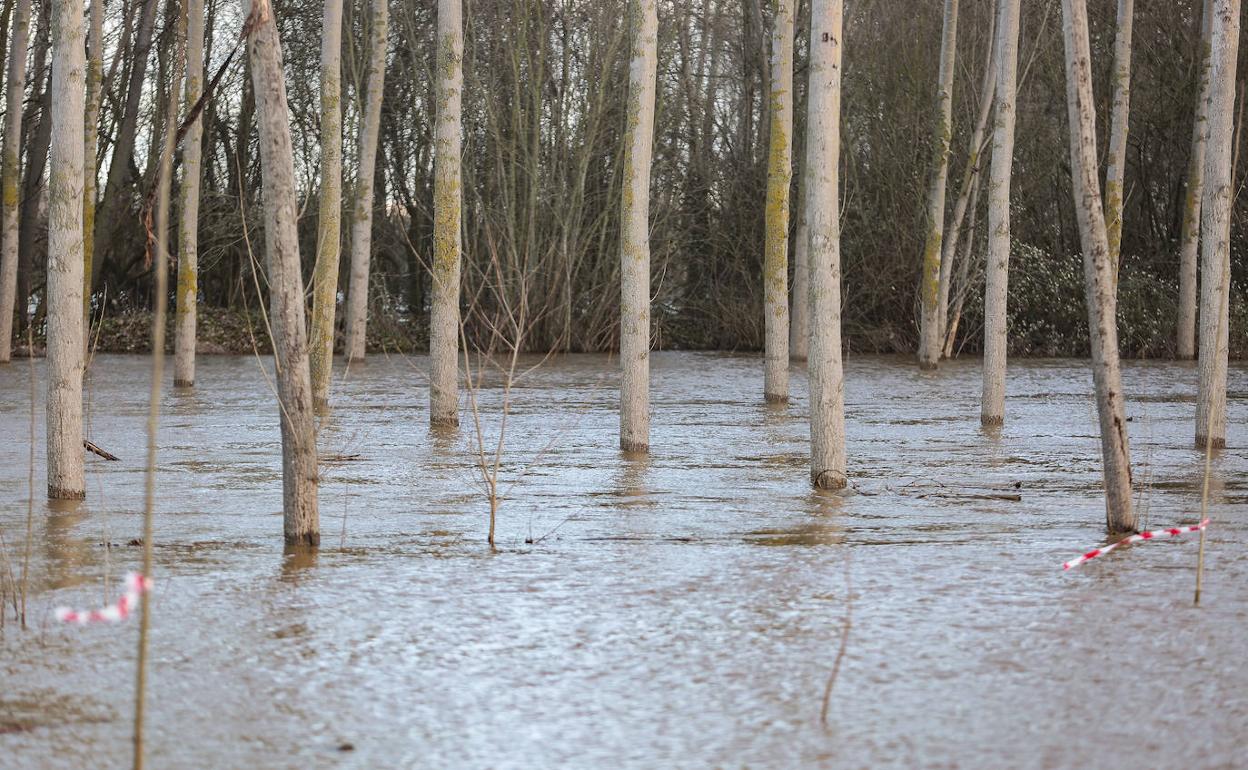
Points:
[[136, 584], [1155, 534]]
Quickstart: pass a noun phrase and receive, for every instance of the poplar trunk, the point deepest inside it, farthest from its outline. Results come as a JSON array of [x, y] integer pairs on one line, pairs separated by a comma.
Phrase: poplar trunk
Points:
[[64, 289], [1215, 274], [447, 213], [970, 181], [929, 290], [329, 228], [10, 174], [799, 314], [779, 178], [827, 398], [1097, 270], [187, 292], [1185, 346], [1118, 126], [635, 232], [992, 411], [362, 213], [286, 308], [90, 147]]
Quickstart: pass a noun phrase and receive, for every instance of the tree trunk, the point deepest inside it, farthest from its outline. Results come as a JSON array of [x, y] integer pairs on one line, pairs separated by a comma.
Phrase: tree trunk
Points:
[[827, 398], [294, 386], [779, 179], [30, 224], [115, 202], [188, 193], [635, 232], [90, 145], [362, 215], [1117, 167], [1097, 270], [970, 180], [329, 228], [10, 175], [992, 411], [964, 270], [64, 293], [447, 213], [1190, 241], [929, 290], [799, 315], [1215, 274]]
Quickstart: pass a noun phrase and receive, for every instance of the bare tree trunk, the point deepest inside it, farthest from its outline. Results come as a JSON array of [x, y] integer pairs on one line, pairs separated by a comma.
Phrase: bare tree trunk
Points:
[[290, 348], [1117, 167], [329, 227], [114, 204], [929, 290], [65, 335], [1215, 273], [188, 233], [779, 178], [992, 411], [447, 213], [362, 215], [10, 175], [635, 232], [964, 270], [799, 315], [91, 140], [827, 398], [6, 17], [1097, 270], [970, 180], [1190, 241]]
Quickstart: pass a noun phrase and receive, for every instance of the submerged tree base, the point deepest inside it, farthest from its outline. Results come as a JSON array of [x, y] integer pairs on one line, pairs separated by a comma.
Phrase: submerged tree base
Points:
[[829, 479], [1203, 442], [634, 447]]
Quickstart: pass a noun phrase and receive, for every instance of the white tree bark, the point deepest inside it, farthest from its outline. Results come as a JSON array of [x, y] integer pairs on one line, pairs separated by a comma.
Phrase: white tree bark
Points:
[[329, 229], [635, 232], [447, 212], [827, 399], [1190, 241], [992, 411], [779, 178], [1116, 169], [10, 173], [188, 193], [362, 214], [929, 289], [970, 181], [286, 310], [65, 335], [1215, 273], [1097, 270]]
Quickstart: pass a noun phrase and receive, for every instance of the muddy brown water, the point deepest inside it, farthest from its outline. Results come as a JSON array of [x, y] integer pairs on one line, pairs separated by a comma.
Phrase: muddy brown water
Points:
[[683, 610]]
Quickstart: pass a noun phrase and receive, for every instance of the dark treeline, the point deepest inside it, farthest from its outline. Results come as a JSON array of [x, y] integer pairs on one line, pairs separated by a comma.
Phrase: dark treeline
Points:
[[543, 120]]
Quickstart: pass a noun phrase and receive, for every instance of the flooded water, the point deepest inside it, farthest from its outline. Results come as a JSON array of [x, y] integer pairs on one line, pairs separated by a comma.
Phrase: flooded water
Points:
[[684, 610]]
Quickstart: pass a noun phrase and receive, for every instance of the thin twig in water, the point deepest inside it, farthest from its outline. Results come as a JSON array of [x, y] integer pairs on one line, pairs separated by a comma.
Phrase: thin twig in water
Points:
[[30, 479], [1204, 493], [840, 653]]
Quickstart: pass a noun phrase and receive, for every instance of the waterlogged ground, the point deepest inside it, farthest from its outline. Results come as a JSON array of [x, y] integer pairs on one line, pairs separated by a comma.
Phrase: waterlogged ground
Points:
[[680, 611]]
